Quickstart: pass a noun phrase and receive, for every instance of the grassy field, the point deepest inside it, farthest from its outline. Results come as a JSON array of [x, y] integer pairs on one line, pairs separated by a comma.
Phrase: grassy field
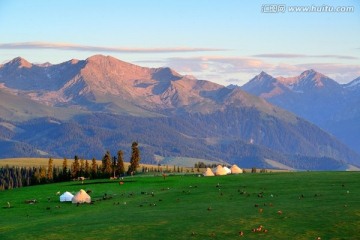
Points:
[[292, 205]]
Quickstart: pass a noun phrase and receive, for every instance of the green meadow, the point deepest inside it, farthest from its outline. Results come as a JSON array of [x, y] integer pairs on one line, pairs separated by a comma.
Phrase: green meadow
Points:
[[290, 205]]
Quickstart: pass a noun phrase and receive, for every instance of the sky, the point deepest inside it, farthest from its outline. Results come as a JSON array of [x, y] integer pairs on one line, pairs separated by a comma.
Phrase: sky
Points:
[[224, 41]]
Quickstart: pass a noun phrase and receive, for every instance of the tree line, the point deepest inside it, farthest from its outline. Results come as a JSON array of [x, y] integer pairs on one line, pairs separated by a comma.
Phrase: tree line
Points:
[[15, 177], [203, 165]]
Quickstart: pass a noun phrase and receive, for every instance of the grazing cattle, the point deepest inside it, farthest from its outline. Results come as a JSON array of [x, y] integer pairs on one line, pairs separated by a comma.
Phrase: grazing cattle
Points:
[[241, 233], [259, 229], [279, 212], [58, 193]]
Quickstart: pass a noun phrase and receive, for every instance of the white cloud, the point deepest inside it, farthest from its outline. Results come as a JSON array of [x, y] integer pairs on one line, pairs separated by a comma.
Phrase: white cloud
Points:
[[77, 47], [284, 55], [218, 64], [222, 68]]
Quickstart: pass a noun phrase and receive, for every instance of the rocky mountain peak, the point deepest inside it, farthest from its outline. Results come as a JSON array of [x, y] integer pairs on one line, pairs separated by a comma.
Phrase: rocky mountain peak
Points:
[[19, 63], [313, 79], [264, 75], [74, 61]]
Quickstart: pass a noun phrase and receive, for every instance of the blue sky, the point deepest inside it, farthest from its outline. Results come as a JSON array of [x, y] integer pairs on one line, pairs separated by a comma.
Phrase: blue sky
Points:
[[225, 41]]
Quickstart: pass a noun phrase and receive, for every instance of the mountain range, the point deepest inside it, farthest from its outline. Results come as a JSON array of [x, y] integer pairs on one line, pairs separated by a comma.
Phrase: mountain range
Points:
[[317, 98], [86, 107]]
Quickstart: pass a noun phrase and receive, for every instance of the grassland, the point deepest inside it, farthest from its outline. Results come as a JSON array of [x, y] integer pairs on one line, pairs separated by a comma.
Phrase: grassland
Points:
[[312, 204]]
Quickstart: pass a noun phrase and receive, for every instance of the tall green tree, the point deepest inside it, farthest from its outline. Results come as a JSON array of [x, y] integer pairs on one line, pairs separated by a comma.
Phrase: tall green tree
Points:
[[106, 164], [120, 163], [50, 170], [135, 158], [87, 169], [94, 168], [42, 174], [82, 167], [65, 171], [64, 166], [75, 167]]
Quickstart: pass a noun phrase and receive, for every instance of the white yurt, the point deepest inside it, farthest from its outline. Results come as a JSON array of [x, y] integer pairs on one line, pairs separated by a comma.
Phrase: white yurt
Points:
[[235, 169], [66, 197], [208, 173], [81, 197], [219, 171], [228, 171]]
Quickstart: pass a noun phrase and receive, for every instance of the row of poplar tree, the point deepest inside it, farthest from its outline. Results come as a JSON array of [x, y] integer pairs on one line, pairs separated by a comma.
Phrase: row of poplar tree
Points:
[[14, 177]]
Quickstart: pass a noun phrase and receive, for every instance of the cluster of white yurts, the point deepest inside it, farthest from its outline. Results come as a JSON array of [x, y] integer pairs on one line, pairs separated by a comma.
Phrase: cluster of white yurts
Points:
[[80, 197], [220, 170]]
